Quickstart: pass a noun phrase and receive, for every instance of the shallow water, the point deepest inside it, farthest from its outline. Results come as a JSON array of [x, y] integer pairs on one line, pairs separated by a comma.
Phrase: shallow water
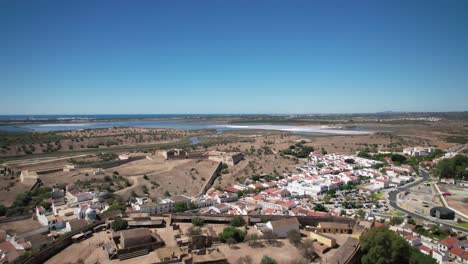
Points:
[[182, 125]]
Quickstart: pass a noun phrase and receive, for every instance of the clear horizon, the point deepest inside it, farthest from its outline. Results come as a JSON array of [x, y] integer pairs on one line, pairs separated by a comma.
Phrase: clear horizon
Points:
[[217, 57]]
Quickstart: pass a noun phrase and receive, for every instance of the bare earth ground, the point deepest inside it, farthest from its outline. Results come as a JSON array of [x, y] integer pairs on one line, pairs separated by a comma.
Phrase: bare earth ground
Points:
[[174, 176], [459, 198], [90, 250], [21, 226], [7, 193], [283, 252]]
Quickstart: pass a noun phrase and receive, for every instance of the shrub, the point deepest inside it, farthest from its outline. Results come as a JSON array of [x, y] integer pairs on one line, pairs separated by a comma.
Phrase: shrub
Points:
[[237, 221], [3, 210], [231, 232], [119, 224], [268, 260], [294, 237], [197, 221]]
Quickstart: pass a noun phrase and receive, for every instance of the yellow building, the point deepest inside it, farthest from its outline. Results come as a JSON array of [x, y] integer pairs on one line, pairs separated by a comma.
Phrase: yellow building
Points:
[[322, 238]]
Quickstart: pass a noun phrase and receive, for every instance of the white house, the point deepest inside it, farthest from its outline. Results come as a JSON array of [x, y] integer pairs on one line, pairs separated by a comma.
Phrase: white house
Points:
[[48, 219], [280, 228]]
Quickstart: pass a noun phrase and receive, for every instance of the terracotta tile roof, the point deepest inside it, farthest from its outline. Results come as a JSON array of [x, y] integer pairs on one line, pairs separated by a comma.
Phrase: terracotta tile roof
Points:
[[378, 224], [231, 189], [269, 211], [457, 251], [313, 213], [465, 255], [449, 241], [425, 248]]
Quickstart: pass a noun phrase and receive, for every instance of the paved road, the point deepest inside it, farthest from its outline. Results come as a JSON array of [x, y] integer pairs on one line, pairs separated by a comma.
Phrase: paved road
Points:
[[392, 196]]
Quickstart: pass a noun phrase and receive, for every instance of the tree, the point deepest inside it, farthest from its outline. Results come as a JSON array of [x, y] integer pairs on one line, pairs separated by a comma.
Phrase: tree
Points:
[[396, 220], [197, 221], [253, 238], [398, 158], [360, 213], [194, 231], [120, 207], [320, 208], [144, 189], [237, 221], [268, 260], [307, 250], [456, 167], [231, 232], [380, 245], [411, 221], [416, 257], [294, 237], [324, 152], [119, 224], [184, 206], [364, 154], [3, 210]]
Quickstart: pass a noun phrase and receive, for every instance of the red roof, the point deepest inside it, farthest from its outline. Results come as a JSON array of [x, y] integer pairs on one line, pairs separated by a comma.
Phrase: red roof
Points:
[[285, 203], [425, 248], [269, 211], [258, 197], [379, 180], [313, 213], [449, 241], [465, 255], [271, 190], [457, 251], [7, 246], [258, 185], [233, 212], [378, 224], [9, 250], [231, 189]]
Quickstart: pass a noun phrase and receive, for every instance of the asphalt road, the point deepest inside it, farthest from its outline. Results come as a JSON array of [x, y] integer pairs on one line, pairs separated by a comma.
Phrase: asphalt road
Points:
[[392, 196]]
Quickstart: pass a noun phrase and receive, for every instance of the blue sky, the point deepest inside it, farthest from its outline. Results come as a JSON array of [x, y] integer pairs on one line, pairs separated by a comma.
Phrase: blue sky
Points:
[[130, 57]]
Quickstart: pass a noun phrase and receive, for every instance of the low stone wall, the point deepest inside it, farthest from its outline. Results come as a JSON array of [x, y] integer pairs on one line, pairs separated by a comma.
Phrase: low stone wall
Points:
[[49, 171], [111, 164], [303, 220], [59, 245], [15, 218], [212, 178]]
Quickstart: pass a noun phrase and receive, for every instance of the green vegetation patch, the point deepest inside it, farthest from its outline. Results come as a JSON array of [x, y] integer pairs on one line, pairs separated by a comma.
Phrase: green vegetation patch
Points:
[[380, 245], [298, 150], [456, 167]]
